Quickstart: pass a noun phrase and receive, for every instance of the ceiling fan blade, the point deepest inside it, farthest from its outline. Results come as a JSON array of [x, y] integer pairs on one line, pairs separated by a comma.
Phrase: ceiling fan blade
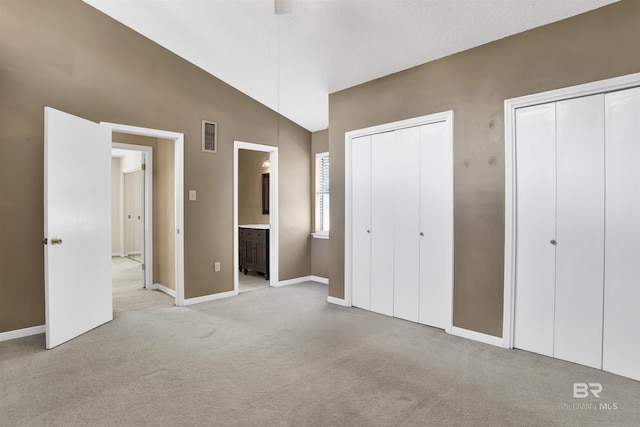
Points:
[[282, 7]]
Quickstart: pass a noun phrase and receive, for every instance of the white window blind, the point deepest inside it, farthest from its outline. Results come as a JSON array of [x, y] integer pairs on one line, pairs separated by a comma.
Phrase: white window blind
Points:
[[322, 192]]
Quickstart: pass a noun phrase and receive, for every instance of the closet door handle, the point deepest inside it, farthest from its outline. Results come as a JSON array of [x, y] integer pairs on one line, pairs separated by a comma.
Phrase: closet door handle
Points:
[[553, 242], [422, 234], [369, 231]]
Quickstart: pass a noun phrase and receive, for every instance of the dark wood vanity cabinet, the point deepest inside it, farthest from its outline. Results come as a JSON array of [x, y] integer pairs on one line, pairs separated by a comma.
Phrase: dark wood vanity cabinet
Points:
[[254, 250]]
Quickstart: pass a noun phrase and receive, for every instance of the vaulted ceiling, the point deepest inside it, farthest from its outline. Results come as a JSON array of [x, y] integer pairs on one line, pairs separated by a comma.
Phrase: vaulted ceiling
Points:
[[292, 62]]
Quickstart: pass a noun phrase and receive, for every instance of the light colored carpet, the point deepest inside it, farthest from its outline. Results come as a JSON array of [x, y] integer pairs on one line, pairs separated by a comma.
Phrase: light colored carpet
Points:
[[285, 357]]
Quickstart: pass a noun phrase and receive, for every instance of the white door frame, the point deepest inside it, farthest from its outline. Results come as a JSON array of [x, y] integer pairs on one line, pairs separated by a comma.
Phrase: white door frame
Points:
[[273, 211], [510, 107], [147, 255], [448, 184], [178, 139]]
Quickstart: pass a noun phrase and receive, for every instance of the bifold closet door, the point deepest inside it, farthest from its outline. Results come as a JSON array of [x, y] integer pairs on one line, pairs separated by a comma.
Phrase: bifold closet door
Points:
[[535, 228], [361, 222], [434, 223], [404, 171], [621, 338], [382, 223], [580, 230]]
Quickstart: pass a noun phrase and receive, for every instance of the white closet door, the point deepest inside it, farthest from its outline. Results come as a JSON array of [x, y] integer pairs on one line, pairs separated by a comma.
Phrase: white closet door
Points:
[[535, 228], [580, 230], [382, 196], [436, 270], [361, 222], [405, 172], [621, 338]]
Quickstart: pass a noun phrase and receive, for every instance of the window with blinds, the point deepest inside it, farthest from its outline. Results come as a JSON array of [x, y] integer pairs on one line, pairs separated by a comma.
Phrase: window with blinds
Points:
[[322, 193]]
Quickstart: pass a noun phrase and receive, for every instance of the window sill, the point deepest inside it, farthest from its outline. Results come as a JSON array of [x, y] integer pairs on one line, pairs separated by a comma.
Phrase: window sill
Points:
[[320, 235]]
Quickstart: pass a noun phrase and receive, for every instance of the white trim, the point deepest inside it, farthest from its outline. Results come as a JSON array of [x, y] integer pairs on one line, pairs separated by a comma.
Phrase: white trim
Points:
[[446, 116], [147, 160], [338, 301], [321, 235], [510, 107], [274, 241], [162, 288], [319, 279], [118, 254], [348, 238], [295, 281], [476, 336], [178, 139], [207, 298], [20, 333]]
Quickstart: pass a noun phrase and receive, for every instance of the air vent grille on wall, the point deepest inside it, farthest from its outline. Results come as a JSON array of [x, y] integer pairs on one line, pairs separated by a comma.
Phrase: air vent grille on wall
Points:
[[209, 137]]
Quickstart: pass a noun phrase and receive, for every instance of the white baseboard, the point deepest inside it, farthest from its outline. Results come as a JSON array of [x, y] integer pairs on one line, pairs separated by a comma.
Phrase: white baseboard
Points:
[[337, 301], [319, 279], [207, 298], [164, 289], [117, 254], [476, 336], [302, 280], [293, 281], [20, 333]]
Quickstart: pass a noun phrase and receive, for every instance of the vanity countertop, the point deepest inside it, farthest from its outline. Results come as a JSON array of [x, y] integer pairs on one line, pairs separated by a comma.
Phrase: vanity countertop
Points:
[[259, 226]]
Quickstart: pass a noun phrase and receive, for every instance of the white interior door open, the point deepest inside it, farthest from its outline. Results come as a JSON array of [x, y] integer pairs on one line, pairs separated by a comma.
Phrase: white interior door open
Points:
[[77, 226]]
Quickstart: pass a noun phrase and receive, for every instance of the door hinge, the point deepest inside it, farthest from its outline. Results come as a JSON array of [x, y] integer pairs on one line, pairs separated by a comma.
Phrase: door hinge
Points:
[[45, 241], [144, 166]]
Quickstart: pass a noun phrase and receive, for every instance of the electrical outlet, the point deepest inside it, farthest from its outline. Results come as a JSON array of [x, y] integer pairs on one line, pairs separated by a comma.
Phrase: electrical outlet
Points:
[[216, 267]]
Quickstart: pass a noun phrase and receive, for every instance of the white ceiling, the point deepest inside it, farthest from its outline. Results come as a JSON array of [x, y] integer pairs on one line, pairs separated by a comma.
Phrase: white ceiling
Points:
[[291, 63]]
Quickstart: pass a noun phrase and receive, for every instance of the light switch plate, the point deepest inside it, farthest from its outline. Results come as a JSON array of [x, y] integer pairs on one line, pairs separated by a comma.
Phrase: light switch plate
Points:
[[192, 195], [216, 267]]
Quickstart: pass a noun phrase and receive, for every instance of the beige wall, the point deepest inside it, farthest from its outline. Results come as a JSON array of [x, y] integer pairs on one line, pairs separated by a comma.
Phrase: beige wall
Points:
[[69, 56], [164, 225], [319, 247], [250, 172], [474, 84]]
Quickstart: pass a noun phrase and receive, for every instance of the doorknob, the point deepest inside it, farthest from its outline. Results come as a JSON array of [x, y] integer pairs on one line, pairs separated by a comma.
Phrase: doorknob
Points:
[[56, 241], [421, 233], [553, 242], [369, 231]]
